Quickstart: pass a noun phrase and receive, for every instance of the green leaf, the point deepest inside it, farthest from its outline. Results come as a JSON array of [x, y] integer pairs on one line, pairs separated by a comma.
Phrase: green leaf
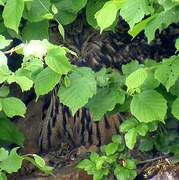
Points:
[[161, 21], [4, 91], [105, 100], [13, 162], [19, 48], [105, 172], [136, 79], [44, 82], [177, 44], [94, 157], [102, 16], [3, 176], [61, 30], [149, 106], [168, 72], [0, 105], [33, 67], [134, 11], [22, 72], [47, 169], [39, 10], [48, 16], [150, 82], [39, 161], [10, 133], [65, 17], [92, 7], [111, 148], [146, 144], [100, 162], [70, 51], [167, 4], [152, 126], [140, 26], [142, 129], [82, 87], [68, 9], [56, 59], [98, 175], [128, 124], [130, 67], [150, 63], [102, 77], [116, 139], [131, 138], [121, 148], [66, 81], [3, 154], [126, 106], [35, 31], [112, 159], [87, 165], [175, 108], [24, 82], [174, 90], [132, 173], [3, 59], [2, 2], [119, 3], [82, 164], [130, 164], [13, 107], [4, 73], [12, 14], [71, 6], [54, 9], [4, 42], [121, 173]]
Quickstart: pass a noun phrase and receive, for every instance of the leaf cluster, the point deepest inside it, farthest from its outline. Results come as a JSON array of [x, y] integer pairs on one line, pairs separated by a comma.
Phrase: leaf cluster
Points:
[[147, 15], [113, 160], [11, 162]]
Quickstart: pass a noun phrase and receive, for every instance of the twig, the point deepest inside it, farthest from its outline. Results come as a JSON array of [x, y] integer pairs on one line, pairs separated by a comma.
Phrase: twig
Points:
[[13, 49], [151, 160]]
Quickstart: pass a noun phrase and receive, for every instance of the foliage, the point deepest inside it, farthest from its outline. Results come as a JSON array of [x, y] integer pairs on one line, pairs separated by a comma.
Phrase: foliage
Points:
[[177, 44], [132, 129], [82, 86], [11, 162], [147, 15], [113, 160], [148, 91]]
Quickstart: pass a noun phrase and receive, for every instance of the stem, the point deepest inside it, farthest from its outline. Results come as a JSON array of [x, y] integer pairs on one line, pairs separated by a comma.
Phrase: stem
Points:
[[48, 11], [151, 160], [14, 49]]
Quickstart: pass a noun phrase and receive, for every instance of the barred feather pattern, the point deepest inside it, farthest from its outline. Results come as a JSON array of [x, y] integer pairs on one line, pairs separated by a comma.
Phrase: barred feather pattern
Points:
[[58, 127]]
